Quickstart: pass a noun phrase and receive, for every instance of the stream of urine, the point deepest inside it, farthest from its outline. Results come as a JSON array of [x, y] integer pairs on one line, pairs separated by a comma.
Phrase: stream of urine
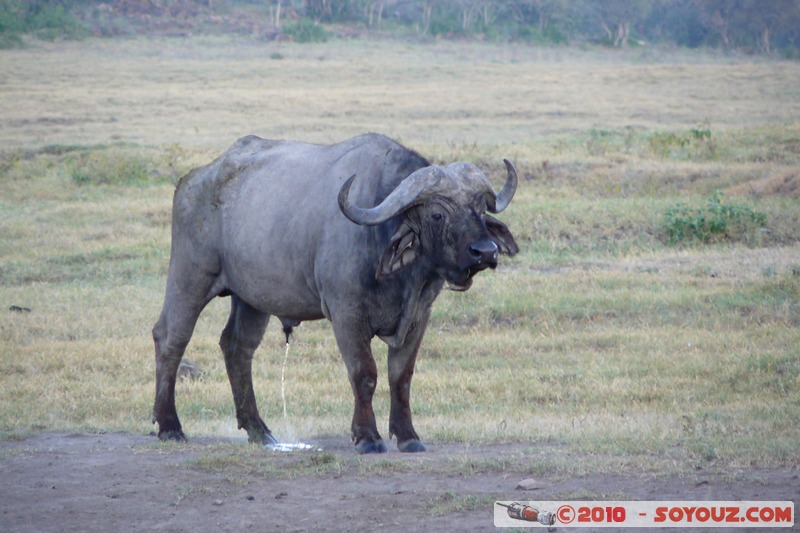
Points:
[[283, 388], [288, 446]]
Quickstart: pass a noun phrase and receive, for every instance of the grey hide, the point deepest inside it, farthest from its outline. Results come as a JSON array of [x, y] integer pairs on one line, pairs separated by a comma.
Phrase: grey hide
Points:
[[364, 233]]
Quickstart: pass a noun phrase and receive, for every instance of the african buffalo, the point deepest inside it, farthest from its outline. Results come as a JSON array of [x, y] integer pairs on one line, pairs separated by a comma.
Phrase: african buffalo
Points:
[[364, 233]]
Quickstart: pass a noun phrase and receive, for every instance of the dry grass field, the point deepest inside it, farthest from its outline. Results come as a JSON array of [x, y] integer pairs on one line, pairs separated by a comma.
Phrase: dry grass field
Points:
[[603, 349], [207, 92]]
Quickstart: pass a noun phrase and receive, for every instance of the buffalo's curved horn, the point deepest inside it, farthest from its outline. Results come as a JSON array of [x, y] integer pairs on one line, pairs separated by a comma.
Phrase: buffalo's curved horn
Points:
[[410, 191], [505, 195]]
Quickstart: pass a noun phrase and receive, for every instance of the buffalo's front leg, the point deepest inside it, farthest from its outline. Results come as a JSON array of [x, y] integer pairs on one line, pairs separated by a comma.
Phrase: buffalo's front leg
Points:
[[239, 341], [363, 374], [401, 369]]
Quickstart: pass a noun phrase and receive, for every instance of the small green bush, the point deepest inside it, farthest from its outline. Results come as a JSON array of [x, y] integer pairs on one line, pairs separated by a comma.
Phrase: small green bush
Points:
[[717, 221], [306, 30], [12, 16], [551, 35]]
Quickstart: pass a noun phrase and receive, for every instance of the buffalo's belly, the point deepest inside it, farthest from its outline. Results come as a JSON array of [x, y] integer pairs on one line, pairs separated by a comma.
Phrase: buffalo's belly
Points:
[[286, 296]]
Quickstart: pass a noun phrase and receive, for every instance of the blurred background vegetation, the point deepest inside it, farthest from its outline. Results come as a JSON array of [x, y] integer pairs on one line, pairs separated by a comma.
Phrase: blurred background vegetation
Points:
[[746, 26]]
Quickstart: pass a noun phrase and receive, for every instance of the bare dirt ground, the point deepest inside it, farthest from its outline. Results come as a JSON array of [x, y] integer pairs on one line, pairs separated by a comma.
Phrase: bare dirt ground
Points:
[[123, 482]]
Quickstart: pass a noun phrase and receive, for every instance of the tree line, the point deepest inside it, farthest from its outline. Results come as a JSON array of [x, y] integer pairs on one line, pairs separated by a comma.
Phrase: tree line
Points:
[[752, 25], [758, 25]]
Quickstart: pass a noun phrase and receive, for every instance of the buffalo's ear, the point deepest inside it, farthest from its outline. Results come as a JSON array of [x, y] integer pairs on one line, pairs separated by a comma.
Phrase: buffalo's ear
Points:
[[501, 236], [400, 253]]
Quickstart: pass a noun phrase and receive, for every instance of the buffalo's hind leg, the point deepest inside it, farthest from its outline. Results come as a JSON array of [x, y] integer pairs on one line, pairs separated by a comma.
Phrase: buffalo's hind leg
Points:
[[239, 341], [182, 307]]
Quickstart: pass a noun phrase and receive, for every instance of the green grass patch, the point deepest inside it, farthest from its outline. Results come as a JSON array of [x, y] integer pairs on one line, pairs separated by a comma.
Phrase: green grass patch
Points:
[[113, 165], [109, 169], [696, 144], [450, 502], [244, 465]]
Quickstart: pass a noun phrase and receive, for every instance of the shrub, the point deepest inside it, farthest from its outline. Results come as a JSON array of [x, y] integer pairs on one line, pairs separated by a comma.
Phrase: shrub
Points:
[[10, 40], [47, 19], [50, 20], [716, 221], [12, 16], [306, 30]]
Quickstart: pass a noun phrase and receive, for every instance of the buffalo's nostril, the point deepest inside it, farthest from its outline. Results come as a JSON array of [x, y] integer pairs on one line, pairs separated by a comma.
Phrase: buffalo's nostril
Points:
[[483, 252]]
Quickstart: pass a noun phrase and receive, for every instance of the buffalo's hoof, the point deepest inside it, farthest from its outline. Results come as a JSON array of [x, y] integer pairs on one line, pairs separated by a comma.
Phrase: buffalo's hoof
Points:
[[264, 438], [411, 446], [369, 446], [175, 435]]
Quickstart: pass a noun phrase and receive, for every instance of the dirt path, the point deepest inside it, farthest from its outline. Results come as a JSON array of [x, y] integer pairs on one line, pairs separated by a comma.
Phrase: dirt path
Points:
[[121, 482]]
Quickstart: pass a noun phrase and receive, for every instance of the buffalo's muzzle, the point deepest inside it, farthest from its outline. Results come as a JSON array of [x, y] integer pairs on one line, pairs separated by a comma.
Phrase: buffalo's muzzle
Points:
[[483, 254]]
